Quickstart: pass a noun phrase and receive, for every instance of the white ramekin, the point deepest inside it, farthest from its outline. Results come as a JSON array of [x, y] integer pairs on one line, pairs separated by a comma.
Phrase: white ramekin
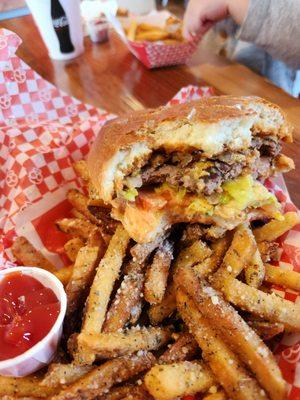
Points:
[[42, 352]]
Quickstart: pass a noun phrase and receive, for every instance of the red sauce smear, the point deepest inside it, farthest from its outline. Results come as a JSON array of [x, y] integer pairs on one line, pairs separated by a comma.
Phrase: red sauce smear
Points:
[[28, 310]]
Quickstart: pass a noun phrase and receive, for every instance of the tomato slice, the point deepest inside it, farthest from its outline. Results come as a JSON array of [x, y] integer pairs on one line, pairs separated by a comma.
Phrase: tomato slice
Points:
[[149, 200]]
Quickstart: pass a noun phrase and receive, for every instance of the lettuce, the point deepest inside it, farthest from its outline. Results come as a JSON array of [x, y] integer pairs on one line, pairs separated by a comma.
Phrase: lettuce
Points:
[[245, 192], [130, 194]]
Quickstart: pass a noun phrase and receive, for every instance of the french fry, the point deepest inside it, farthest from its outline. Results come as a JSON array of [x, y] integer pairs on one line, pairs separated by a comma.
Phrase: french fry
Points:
[[268, 251], [158, 312], [267, 306], [129, 392], [225, 365], [83, 272], [183, 349], [157, 274], [106, 275], [116, 344], [245, 342], [79, 201], [143, 26], [76, 227], [136, 312], [192, 255], [81, 170], [210, 264], [98, 381], [266, 330], [64, 274], [220, 395], [72, 247], [272, 230], [282, 277], [28, 386], [140, 252], [127, 298], [64, 374], [26, 254], [239, 253], [171, 381], [152, 36], [77, 214], [255, 271], [132, 30]]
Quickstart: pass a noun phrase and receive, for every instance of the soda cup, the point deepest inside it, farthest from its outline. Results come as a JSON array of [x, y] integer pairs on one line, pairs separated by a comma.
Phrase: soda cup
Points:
[[60, 25]]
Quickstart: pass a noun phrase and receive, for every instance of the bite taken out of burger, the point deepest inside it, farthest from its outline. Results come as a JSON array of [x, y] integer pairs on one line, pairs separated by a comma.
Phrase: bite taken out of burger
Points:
[[204, 161]]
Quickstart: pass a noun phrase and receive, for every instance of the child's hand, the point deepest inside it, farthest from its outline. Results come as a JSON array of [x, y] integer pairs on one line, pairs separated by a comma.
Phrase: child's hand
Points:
[[201, 15]]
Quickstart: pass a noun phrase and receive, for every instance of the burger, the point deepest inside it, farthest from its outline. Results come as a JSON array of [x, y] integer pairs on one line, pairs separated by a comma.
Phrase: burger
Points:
[[200, 162]]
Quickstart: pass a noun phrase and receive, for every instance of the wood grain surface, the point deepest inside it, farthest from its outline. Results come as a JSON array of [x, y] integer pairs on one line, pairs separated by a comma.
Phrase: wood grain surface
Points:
[[108, 76]]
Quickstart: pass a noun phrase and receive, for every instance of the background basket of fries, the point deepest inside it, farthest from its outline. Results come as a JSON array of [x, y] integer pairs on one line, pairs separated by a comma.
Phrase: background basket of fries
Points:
[[146, 317], [156, 39]]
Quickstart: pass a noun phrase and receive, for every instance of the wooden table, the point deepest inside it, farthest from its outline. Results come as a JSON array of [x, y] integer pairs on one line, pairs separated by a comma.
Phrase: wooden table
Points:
[[108, 76]]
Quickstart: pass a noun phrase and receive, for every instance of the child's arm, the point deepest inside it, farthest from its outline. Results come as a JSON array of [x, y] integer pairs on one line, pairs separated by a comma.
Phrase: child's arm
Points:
[[201, 15], [272, 25]]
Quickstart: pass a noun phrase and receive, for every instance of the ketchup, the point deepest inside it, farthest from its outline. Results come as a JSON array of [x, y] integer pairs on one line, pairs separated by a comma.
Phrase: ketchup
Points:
[[28, 310]]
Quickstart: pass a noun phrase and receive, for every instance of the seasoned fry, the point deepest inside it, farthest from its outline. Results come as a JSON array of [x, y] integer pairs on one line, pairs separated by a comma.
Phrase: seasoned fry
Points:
[[282, 277], [274, 229], [64, 274], [239, 253], [267, 306], [158, 312], [75, 227], [157, 274], [79, 201], [77, 214], [266, 330], [189, 256], [116, 344], [212, 263], [255, 271], [268, 251], [226, 367], [72, 247], [132, 30], [98, 381], [143, 26], [184, 348], [64, 374], [245, 342], [126, 300], [140, 252], [171, 381], [28, 386], [26, 254], [129, 392], [81, 170], [193, 254], [83, 272], [107, 273]]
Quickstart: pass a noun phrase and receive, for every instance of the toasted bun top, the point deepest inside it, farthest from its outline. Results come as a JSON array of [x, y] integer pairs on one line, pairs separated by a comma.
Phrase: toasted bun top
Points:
[[211, 124]]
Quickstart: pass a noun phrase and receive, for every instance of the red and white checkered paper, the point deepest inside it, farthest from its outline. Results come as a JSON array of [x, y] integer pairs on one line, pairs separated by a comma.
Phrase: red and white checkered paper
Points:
[[42, 132], [154, 55]]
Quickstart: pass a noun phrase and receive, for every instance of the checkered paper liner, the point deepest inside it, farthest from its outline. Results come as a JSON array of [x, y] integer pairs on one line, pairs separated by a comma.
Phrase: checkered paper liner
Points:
[[42, 132]]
